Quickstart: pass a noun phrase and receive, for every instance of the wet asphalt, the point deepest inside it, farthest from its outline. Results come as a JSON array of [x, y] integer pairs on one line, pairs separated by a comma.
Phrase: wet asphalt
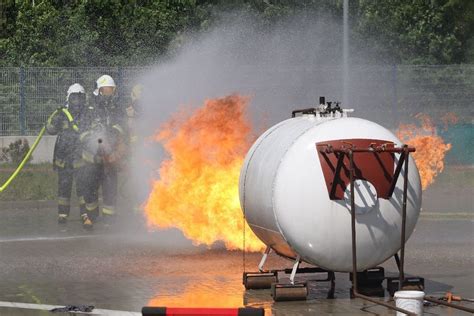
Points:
[[125, 267]]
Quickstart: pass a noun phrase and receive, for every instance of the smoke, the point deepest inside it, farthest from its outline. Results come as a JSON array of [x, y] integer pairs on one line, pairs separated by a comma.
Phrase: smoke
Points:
[[275, 67], [281, 68]]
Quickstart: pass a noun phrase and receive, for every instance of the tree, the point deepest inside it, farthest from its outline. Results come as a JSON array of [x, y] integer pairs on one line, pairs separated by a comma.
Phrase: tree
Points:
[[93, 32], [137, 32], [416, 31]]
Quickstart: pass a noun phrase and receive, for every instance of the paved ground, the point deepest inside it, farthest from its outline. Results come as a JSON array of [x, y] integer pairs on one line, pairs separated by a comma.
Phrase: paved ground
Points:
[[124, 267]]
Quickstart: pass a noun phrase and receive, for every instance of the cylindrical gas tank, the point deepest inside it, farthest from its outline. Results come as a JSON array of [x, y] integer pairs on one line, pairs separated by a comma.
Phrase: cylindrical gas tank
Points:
[[285, 197]]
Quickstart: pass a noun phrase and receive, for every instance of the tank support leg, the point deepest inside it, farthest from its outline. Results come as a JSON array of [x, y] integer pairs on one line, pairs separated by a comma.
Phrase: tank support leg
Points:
[[332, 279], [295, 268], [264, 258], [397, 261]]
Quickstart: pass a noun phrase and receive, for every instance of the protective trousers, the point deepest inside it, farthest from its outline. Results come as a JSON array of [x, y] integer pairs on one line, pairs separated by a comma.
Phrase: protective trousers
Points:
[[95, 176], [109, 189], [89, 179], [66, 177]]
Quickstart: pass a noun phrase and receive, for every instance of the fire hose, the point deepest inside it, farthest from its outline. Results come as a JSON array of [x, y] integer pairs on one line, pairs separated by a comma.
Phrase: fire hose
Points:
[[25, 159]]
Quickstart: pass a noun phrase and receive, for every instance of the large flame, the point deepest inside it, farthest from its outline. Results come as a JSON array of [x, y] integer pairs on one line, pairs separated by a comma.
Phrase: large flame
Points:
[[430, 148], [197, 191]]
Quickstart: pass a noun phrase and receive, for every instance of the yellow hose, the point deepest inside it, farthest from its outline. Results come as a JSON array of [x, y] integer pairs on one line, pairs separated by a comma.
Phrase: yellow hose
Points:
[[23, 162]]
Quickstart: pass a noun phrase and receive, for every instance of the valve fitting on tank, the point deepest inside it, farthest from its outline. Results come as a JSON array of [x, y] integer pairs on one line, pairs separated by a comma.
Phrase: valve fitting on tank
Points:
[[330, 109]]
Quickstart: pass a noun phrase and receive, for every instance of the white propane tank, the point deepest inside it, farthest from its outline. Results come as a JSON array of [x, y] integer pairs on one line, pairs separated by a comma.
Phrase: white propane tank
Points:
[[285, 198]]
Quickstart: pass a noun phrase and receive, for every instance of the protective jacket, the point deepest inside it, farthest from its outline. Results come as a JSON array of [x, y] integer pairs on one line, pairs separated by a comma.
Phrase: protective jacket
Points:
[[104, 141], [66, 149]]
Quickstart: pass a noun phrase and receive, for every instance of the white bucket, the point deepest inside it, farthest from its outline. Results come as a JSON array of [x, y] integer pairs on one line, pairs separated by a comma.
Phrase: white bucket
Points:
[[411, 301]]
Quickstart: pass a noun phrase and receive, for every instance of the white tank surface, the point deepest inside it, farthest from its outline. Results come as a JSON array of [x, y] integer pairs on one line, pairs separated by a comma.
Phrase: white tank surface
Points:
[[286, 200]]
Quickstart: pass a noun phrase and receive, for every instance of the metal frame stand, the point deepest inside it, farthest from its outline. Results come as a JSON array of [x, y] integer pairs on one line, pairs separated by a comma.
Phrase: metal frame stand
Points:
[[404, 159], [355, 292]]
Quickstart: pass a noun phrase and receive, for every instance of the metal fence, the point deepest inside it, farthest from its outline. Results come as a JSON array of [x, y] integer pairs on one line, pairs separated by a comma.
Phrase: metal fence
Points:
[[29, 95]]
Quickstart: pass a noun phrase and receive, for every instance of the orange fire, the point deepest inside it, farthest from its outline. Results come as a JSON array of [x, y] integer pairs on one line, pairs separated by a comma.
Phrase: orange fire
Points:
[[202, 296], [197, 191], [430, 148], [449, 118]]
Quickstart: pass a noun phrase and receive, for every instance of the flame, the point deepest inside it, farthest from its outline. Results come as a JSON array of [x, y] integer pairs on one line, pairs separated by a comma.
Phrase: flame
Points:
[[197, 191], [201, 296], [449, 118], [430, 148]]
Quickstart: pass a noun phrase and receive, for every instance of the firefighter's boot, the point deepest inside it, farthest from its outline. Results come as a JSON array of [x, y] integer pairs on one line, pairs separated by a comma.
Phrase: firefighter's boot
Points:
[[86, 222], [109, 215], [62, 219]]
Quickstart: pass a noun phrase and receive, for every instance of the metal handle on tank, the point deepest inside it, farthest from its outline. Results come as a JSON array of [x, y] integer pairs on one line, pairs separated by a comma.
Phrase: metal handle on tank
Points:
[[304, 111]]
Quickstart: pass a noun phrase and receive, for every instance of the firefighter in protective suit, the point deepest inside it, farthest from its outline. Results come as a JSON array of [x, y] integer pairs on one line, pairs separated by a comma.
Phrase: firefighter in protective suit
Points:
[[66, 123], [135, 146], [103, 148], [134, 112]]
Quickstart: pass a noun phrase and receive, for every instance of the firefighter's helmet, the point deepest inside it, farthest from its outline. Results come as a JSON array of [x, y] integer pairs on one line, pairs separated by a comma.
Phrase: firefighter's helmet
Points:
[[104, 81], [75, 88], [136, 92]]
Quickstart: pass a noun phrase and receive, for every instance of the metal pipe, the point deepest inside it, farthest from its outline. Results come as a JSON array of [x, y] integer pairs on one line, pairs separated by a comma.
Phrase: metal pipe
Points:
[[295, 268], [22, 112], [340, 162], [304, 111], [264, 258], [396, 174], [354, 248], [437, 301], [397, 261], [404, 219], [396, 150]]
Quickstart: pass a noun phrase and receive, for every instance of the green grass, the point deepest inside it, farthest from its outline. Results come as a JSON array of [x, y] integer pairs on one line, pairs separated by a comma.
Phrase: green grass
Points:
[[34, 182]]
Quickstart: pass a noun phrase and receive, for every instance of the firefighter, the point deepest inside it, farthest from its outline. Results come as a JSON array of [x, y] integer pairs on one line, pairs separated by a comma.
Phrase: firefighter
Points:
[[66, 122], [133, 112], [103, 149]]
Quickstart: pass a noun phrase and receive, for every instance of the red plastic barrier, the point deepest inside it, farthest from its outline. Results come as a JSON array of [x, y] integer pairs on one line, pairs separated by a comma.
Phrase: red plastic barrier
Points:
[[190, 311]]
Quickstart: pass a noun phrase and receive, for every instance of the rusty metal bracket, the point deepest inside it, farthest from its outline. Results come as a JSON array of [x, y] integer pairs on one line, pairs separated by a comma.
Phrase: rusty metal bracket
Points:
[[373, 161]]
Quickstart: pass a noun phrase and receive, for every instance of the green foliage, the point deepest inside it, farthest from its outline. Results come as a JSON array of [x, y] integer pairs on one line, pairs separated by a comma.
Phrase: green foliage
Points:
[[16, 151], [93, 33], [138, 32], [416, 31]]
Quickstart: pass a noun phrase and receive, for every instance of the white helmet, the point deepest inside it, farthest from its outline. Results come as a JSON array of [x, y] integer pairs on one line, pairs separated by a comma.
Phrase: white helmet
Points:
[[75, 88], [104, 81]]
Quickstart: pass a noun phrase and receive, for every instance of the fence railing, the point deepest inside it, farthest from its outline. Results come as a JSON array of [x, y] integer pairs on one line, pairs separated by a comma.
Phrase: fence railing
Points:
[[29, 95]]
